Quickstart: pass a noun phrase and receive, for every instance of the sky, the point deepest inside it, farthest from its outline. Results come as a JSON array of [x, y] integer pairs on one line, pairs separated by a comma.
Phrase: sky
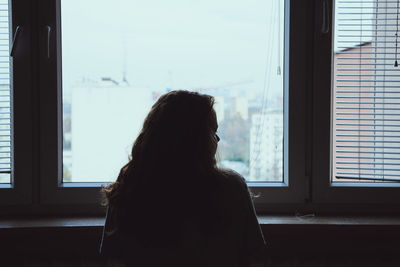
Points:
[[180, 44]]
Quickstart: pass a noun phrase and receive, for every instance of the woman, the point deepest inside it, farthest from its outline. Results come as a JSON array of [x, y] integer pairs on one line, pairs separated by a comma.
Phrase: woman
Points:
[[171, 205]]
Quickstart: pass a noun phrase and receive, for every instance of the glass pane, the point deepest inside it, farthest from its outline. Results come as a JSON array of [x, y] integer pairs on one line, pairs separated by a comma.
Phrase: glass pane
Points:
[[366, 103], [5, 95], [119, 58]]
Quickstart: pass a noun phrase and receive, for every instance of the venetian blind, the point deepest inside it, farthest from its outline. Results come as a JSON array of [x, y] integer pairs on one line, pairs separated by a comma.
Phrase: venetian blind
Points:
[[5, 94], [366, 91]]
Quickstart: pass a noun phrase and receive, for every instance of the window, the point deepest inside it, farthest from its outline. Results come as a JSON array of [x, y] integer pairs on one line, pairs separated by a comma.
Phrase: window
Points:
[[231, 50], [282, 72], [364, 118], [5, 96], [235, 51]]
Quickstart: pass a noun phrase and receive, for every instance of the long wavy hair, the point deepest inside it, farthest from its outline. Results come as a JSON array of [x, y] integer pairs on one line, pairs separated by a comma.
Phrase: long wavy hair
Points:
[[172, 171]]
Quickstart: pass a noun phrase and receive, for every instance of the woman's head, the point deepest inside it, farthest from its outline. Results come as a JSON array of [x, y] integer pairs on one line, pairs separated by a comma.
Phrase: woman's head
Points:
[[178, 137], [178, 132]]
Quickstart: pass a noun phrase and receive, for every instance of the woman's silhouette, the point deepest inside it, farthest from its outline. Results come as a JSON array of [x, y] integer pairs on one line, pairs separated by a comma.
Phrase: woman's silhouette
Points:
[[171, 205]]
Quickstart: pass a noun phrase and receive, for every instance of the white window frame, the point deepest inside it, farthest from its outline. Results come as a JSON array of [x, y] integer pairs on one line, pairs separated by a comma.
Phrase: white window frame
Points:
[[371, 197]]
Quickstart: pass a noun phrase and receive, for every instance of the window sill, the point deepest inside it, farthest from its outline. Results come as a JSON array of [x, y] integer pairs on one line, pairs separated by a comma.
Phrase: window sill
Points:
[[264, 220], [80, 236], [52, 222]]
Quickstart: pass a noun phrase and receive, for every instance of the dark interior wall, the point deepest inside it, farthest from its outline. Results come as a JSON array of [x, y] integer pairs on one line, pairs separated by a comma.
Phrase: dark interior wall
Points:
[[288, 245]]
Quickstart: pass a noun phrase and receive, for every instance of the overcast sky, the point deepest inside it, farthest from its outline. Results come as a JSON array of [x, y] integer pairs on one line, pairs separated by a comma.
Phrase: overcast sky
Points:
[[175, 43]]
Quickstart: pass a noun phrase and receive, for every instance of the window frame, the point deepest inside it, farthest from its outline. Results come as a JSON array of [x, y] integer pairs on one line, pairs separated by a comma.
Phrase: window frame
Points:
[[307, 59], [53, 191], [19, 191], [364, 196], [294, 194]]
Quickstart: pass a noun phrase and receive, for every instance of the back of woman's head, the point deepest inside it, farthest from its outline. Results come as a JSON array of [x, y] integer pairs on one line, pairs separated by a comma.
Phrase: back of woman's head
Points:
[[172, 167], [177, 133]]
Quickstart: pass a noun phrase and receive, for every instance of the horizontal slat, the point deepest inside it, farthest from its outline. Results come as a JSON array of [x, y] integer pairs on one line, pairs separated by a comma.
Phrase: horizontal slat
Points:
[[368, 169], [367, 103], [364, 64], [369, 80], [368, 135], [366, 53], [366, 141], [365, 114], [368, 47], [367, 92], [367, 86], [368, 125], [365, 130], [366, 24], [354, 157], [361, 177], [367, 13], [375, 7], [380, 20], [367, 152], [365, 58], [352, 42], [365, 69], [365, 108], [353, 30], [363, 147], [366, 75], [365, 2], [364, 119], [374, 34], [368, 163]]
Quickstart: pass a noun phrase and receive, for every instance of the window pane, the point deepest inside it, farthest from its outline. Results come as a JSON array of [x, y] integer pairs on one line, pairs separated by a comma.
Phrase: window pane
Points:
[[5, 95], [118, 59], [366, 103]]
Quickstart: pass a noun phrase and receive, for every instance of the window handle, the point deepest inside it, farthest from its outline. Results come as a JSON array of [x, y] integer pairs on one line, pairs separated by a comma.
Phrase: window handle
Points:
[[325, 26], [16, 37], [48, 36]]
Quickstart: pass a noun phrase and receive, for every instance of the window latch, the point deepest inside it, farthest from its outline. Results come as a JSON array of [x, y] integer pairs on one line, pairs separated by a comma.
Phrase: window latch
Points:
[[16, 37], [48, 36], [325, 25]]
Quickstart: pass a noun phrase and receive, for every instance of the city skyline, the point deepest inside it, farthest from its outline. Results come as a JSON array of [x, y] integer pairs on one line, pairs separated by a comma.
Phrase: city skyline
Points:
[[234, 112]]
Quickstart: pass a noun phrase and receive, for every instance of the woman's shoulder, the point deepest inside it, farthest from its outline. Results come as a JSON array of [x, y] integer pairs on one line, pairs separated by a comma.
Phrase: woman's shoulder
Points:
[[232, 179], [232, 175]]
